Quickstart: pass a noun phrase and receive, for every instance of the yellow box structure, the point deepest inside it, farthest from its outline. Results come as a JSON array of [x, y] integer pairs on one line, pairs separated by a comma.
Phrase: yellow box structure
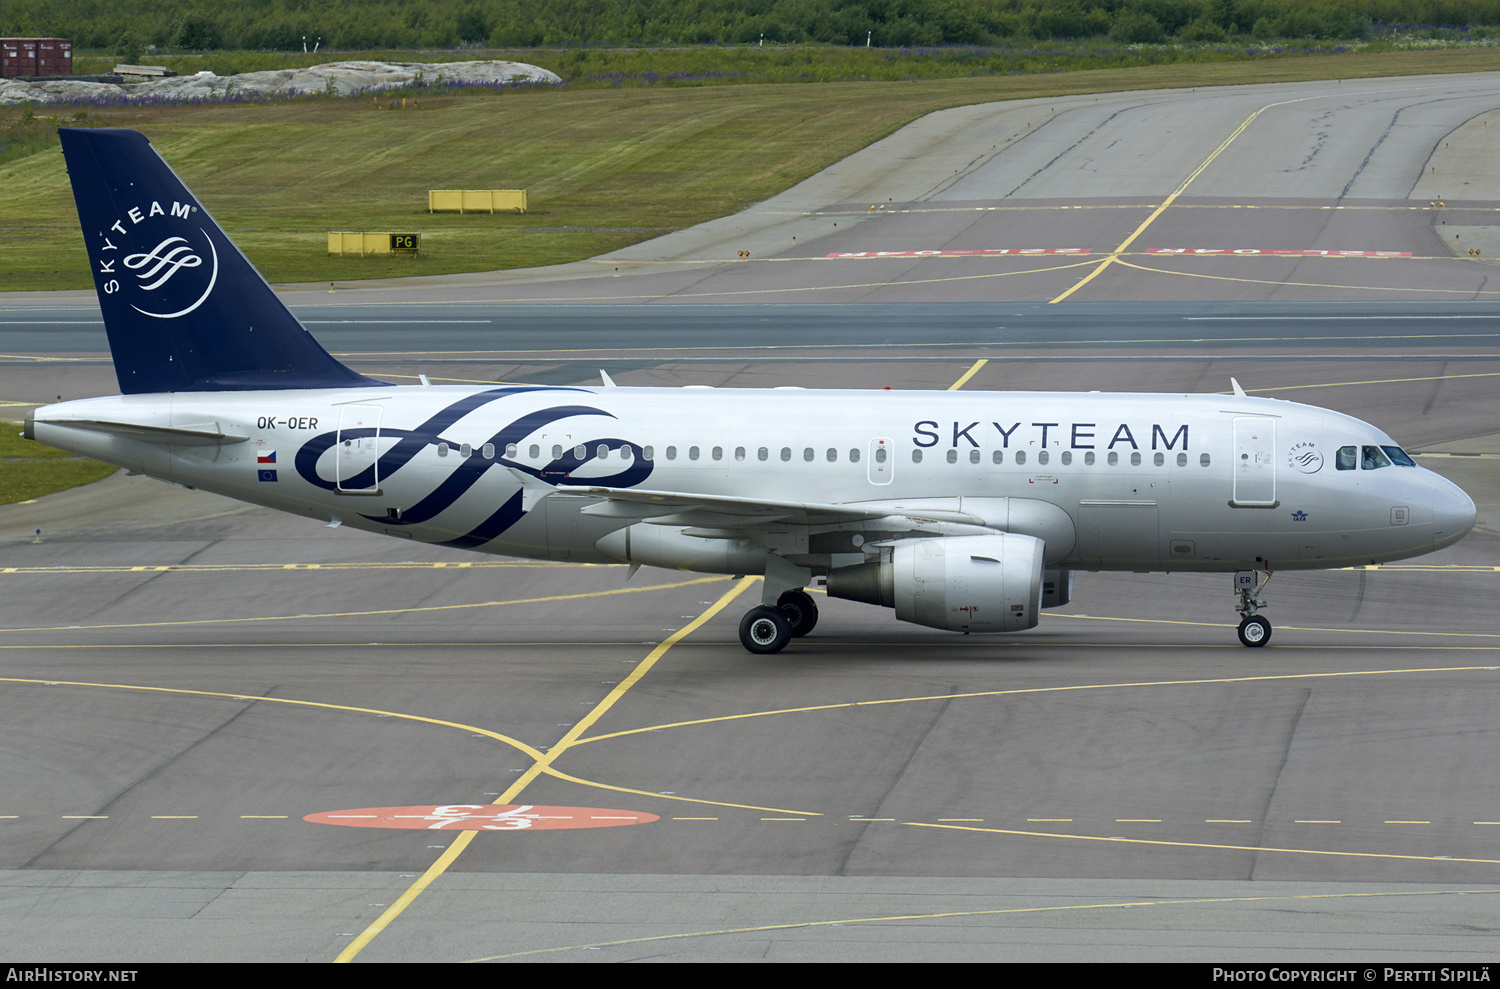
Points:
[[365, 245], [476, 200]]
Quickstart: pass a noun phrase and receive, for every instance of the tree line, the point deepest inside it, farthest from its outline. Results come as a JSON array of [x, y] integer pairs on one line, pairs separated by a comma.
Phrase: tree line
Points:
[[132, 26]]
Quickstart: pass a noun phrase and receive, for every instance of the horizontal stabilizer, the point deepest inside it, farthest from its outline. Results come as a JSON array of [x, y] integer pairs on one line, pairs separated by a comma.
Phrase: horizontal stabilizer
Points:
[[196, 434]]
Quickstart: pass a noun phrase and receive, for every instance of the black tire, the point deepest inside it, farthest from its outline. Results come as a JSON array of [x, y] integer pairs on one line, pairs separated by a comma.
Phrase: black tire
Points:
[[800, 610], [765, 630], [1255, 631]]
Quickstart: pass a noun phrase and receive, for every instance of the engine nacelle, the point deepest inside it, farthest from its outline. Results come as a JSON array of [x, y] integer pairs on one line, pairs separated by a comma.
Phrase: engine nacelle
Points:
[[959, 583]]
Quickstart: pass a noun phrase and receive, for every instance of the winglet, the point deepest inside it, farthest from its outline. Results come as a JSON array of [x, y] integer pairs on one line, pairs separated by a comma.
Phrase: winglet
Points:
[[183, 308], [608, 381], [1238, 391]]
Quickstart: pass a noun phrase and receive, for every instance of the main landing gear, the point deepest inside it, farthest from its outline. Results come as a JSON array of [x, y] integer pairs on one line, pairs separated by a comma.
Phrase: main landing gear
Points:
[[768, 628], [1255, 630]]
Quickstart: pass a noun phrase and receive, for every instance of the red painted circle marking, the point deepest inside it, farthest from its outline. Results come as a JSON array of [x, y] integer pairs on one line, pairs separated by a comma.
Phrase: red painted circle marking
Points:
[[482, 817]]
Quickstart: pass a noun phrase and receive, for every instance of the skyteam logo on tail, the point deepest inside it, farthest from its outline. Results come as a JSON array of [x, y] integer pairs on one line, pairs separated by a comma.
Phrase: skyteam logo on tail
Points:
[[168, 280]]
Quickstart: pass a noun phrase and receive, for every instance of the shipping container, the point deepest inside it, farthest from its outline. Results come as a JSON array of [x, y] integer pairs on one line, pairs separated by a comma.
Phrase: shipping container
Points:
[[36, 57]]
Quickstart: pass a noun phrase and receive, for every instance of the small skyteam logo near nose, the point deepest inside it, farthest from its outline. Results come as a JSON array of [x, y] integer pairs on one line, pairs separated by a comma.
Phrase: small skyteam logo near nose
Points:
[[174, 271], [1305, 457]]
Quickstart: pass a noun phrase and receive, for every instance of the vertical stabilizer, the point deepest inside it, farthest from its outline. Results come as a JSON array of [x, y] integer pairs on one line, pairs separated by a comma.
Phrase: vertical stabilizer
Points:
[[184, 309]]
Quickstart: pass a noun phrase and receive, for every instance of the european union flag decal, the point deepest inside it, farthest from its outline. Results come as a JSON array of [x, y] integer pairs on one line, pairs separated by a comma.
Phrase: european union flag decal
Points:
[[266, 475]]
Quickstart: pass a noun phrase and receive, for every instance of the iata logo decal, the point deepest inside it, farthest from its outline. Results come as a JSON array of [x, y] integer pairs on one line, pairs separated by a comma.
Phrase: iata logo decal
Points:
[[1305, 457], [156, 270]]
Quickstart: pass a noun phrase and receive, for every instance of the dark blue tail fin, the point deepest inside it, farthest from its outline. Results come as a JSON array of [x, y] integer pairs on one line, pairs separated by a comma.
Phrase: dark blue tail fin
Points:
[[184, 309]]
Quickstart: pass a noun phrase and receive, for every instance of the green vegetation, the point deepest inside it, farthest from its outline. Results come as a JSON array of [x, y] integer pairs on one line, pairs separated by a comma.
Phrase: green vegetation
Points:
[[129, 26], [603, 167], [29, 470]]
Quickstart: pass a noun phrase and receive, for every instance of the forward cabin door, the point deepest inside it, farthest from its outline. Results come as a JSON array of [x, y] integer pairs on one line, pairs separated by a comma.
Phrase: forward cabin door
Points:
[[1254, 462]]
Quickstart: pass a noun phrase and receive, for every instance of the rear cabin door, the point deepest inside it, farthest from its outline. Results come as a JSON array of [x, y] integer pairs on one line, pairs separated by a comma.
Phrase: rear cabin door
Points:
[[358, 456]]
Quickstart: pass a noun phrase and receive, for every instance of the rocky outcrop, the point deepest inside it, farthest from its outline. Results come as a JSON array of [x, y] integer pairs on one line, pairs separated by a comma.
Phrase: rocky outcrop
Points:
[[332, 78]]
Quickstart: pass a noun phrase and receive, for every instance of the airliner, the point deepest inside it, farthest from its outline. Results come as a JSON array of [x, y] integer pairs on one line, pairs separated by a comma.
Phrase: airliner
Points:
[[964, 511]]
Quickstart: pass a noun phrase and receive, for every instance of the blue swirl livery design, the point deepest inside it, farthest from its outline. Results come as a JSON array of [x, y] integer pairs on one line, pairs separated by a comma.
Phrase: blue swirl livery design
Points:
[[468, 471], [966, 511]]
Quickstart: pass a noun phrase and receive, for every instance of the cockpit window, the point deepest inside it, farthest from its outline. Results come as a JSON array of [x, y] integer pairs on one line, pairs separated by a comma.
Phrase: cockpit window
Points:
[[1399, 456], [1373, 459], [1347, 458]]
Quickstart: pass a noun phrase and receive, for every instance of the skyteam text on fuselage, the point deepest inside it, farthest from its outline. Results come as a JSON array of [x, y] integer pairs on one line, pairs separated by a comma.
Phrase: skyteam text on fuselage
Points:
[[967, 511]]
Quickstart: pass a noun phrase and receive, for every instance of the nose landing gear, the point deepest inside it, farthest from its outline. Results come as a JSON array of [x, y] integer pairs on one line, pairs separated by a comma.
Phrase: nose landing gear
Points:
[[1255, 629]]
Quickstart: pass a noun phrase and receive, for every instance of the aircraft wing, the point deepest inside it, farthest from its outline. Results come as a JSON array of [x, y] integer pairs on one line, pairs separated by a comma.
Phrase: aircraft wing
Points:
[[723, 511]]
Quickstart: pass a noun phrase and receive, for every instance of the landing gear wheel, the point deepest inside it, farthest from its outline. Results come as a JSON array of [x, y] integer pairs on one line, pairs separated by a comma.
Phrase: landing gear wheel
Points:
[[1255, 631], [765, 630], [801, 613]]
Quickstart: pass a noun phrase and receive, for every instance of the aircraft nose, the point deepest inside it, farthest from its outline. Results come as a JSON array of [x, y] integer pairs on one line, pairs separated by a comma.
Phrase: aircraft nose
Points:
[[1453, 514]]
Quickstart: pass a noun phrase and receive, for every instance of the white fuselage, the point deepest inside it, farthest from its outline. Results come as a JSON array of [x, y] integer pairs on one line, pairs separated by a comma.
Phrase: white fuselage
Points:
[[1143, 481]]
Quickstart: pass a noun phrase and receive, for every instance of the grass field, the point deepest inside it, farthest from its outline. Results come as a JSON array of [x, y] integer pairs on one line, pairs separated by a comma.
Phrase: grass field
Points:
[[603, 167]]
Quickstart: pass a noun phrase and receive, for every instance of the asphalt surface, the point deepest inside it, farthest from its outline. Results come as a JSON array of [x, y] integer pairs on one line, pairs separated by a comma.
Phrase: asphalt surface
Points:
[[187, 679]]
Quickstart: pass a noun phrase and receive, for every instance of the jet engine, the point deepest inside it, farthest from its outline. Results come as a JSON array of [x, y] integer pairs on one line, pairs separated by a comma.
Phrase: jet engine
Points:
[[960, 583]]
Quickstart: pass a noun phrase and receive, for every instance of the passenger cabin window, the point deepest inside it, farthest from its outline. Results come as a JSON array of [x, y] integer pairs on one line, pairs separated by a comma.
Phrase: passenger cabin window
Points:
[[1042, 456], [854, 454]]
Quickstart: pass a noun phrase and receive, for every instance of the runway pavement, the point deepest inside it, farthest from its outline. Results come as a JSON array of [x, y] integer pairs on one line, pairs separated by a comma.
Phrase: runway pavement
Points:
[[186, 680]]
